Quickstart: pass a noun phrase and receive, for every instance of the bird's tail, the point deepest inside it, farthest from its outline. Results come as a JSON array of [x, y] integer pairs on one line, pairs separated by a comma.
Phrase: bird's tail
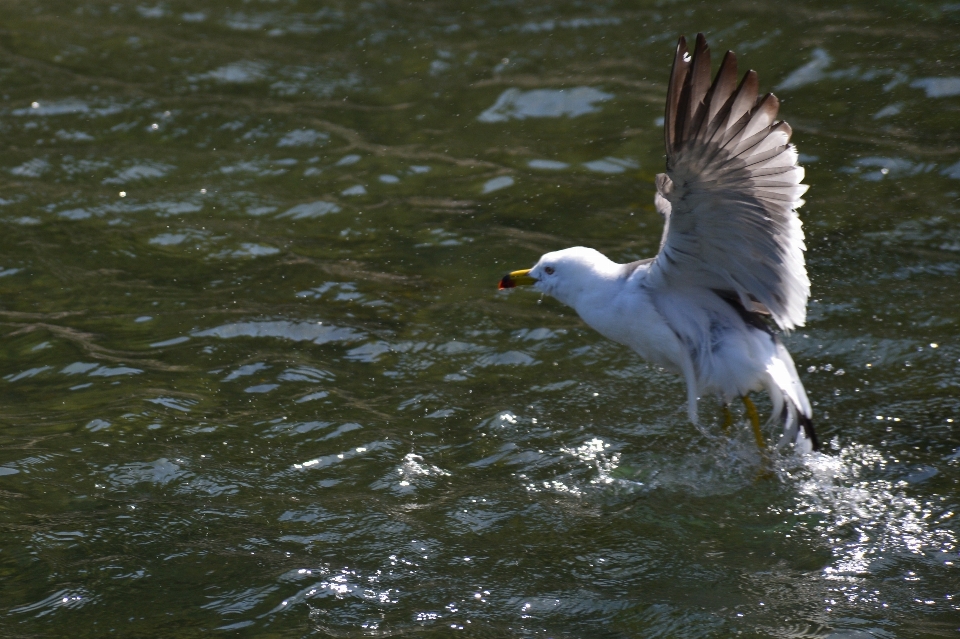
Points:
[[790, 404]]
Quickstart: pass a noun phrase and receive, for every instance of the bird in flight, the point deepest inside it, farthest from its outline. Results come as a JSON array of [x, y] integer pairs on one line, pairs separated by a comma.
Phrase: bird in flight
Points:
[[731, 257]]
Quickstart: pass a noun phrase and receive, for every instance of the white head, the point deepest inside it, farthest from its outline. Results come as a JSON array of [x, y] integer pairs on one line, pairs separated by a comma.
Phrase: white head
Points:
[[566, 275]]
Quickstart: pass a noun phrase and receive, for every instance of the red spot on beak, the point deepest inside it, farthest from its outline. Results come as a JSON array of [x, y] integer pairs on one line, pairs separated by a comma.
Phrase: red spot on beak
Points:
[[506, 282]]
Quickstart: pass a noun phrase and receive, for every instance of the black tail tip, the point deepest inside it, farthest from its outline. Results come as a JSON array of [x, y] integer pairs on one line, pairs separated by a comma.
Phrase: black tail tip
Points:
[[808, 430]]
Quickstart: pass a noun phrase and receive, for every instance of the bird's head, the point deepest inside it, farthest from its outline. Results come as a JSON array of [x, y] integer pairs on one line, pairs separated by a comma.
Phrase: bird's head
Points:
[[565, 274]]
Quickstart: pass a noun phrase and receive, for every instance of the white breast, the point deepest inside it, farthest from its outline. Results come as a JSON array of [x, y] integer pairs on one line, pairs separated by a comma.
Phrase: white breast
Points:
[[623, 312]]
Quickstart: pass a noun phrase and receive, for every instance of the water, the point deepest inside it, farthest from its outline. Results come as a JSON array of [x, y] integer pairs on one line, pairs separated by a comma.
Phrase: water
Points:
[[257, 376]]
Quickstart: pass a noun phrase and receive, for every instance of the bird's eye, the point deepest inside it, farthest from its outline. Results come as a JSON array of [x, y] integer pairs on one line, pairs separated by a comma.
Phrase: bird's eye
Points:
[[548, 270]]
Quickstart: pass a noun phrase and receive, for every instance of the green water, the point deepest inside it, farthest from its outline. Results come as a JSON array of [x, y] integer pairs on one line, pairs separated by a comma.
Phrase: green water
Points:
[[257, 379]]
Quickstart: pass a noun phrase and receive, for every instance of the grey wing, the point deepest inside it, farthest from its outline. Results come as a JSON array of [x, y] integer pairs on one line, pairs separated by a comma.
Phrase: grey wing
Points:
[[731, 190]]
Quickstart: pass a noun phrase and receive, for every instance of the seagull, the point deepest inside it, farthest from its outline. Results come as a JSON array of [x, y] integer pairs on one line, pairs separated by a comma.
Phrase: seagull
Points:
[[730, 273]]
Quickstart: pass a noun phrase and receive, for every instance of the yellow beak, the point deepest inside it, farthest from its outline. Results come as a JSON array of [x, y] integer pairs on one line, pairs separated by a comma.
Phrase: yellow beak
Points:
[[517, 278]]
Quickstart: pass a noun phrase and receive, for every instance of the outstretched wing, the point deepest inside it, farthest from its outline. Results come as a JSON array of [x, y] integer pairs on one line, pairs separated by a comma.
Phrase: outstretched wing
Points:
[[731, 190]]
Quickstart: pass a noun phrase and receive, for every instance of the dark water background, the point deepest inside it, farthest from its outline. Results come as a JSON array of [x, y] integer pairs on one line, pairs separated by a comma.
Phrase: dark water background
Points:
[[256, 377]]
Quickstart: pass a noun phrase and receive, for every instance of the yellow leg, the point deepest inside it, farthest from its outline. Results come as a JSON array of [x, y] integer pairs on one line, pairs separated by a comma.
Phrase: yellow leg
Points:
[[727, 420], [754, 421]]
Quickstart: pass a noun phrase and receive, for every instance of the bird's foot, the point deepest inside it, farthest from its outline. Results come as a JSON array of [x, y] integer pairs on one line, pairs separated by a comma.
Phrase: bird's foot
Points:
[[766, 464], [765, 472], [727, 420], [754, 417]]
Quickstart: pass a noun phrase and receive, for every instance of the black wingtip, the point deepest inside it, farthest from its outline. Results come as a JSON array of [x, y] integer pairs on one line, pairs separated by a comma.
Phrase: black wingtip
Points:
[[808, 430], [678, 74]]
